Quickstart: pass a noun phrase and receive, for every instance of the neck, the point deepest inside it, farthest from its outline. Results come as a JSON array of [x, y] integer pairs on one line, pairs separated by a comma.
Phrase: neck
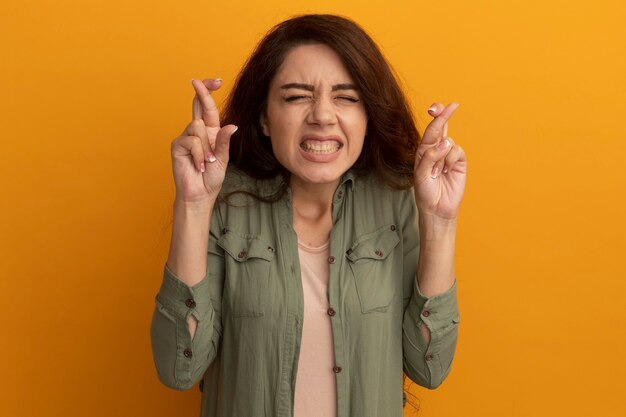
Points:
[[312, 198], [312, 211]]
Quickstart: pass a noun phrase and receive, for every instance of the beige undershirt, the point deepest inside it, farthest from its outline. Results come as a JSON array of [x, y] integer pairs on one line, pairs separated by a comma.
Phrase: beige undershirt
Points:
[[316, 392]]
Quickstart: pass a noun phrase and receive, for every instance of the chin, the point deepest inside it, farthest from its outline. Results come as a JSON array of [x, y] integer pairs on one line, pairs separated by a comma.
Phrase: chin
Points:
[[323, 177]]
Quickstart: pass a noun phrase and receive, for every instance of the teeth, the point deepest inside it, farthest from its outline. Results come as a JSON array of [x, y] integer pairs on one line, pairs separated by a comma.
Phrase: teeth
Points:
[[320, 147]]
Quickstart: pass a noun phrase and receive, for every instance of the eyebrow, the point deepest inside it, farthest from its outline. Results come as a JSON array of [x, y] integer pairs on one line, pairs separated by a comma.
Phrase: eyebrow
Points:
[[309, 87]]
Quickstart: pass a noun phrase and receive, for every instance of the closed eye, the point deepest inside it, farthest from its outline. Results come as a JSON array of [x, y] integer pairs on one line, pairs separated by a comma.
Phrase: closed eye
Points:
[[296, 98], [349, 99]]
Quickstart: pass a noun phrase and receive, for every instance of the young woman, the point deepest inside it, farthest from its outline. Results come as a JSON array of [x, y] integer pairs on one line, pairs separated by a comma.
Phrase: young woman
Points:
[[312, 254]]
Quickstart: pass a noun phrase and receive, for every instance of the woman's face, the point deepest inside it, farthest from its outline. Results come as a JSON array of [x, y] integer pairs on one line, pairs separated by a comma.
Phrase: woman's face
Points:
[[315, 117]]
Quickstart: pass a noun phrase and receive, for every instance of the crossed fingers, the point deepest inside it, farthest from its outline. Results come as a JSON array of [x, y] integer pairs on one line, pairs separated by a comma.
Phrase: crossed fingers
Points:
[[201, 132], [204, 106], [436, 146]]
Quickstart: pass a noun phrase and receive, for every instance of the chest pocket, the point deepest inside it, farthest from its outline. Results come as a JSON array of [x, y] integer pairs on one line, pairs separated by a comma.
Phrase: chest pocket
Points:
[[374, 273], [248, 266]]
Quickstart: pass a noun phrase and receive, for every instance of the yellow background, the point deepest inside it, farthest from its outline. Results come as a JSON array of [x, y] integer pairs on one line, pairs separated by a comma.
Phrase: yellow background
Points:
[[92, 93]]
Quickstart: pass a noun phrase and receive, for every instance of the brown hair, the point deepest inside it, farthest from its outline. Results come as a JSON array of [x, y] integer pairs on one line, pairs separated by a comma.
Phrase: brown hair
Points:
[[392, 138]]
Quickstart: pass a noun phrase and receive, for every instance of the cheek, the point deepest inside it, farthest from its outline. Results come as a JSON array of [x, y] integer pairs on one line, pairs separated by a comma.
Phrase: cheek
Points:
[[356, 123], [281, 151], [283, 121]]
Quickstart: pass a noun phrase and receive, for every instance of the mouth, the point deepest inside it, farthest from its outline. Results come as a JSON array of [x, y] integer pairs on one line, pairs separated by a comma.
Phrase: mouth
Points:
[[320, 145]]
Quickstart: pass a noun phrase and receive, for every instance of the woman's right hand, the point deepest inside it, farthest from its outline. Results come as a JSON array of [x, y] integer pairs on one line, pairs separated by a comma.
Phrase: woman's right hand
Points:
[[200, 153]]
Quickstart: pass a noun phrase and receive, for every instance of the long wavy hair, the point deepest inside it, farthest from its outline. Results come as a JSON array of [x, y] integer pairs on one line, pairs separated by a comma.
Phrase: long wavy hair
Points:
[[392, 138]]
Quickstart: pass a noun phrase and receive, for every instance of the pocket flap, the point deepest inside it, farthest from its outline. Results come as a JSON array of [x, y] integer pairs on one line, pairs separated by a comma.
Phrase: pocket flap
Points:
[[376, 245], [242, 247]]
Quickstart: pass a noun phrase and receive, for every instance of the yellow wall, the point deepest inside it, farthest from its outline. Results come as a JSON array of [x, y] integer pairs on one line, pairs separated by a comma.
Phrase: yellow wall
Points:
[[92, 92]]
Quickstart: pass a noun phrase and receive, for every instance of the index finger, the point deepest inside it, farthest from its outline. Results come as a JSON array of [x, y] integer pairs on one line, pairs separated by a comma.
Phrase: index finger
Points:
[[203, 104], [435, 130]]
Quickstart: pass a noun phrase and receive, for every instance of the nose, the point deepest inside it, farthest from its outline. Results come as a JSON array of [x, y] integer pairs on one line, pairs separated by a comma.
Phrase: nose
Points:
[[322, 112]]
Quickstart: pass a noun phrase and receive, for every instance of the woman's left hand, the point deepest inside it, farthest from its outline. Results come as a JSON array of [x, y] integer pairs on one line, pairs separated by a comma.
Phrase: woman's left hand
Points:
[[440, 167]]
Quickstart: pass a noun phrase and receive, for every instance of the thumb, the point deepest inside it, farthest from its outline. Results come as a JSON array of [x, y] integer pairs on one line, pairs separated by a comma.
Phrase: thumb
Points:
[[222, 142], [433, 158]]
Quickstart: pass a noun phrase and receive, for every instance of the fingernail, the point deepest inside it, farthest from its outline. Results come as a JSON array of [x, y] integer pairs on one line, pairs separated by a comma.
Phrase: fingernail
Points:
[[445, 170], [192, 80], [202, 167], [432, 109], [443, 145], [212, 158], [234, 130], [218, 80], [435, 172]]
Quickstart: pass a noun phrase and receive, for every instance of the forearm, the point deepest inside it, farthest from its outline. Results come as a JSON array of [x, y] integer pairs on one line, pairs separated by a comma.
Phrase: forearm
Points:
[[190, 237], [188, 249], [430, 329], [435, 270], [180, 354]]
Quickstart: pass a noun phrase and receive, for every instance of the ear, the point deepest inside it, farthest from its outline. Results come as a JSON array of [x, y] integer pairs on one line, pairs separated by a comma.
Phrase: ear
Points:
[[264, 125]]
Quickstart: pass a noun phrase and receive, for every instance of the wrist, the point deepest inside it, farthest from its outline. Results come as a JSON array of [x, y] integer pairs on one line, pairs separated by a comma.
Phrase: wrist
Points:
[[194, 207], [434, 228]]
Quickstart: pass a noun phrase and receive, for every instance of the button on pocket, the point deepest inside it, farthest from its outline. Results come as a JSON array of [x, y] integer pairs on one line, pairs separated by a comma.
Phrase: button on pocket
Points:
[[374, 273], [248, 263]]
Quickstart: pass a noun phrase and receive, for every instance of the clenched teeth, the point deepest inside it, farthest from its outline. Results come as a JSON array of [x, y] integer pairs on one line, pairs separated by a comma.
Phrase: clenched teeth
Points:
[[327, 147]]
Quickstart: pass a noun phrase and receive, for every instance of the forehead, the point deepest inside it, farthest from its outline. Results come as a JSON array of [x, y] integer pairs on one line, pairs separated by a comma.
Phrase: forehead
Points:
[[312, 63]]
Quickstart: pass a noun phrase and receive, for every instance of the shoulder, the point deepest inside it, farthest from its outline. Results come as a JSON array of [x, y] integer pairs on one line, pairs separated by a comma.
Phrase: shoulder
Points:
[[370, 187], [376, 205], [244, 206], [240, 189], [237, 180]]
